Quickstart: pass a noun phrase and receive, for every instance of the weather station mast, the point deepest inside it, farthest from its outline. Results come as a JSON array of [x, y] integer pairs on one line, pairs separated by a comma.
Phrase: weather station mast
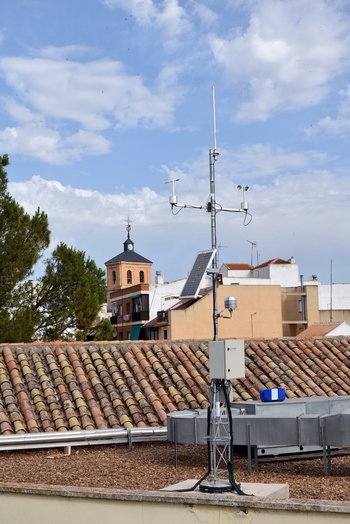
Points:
[[226, 357]]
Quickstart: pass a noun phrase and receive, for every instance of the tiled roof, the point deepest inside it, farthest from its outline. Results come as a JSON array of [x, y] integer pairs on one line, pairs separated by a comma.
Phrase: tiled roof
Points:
[[73, 386], [319, 329], [273, 261], [238, 266], [187, 302], [128, 256]]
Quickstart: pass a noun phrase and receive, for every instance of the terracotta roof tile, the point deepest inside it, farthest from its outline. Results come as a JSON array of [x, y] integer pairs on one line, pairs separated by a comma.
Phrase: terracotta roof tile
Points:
[[319, 329], [238, 266], [64, 387], [272, 261]]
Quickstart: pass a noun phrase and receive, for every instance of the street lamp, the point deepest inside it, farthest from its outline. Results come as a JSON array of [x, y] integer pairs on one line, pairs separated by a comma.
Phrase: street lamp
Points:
[[251, 322]]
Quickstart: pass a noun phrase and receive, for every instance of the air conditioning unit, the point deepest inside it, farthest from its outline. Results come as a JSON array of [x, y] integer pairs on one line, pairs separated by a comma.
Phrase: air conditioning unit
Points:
[[126, 318]]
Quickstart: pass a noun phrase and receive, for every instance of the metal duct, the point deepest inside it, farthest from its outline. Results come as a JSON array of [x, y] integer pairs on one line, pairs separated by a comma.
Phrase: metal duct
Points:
[[81, 438], [271, 426]]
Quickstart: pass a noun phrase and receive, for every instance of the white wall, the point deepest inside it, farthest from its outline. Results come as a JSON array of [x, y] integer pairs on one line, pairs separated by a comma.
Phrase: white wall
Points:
[[284, 275], [340, 296], [162, 296], [342, 330]]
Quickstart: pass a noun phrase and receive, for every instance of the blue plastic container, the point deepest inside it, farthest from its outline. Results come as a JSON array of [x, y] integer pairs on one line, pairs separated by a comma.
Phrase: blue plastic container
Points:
[[272, 394]]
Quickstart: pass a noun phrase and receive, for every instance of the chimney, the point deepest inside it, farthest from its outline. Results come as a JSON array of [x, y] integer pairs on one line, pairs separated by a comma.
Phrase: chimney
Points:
[[159, 278]]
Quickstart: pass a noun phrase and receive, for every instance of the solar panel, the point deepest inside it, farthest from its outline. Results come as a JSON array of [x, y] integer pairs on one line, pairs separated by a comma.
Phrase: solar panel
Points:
[[197, 274]]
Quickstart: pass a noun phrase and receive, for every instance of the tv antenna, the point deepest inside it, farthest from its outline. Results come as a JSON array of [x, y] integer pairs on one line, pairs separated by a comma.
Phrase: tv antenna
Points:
[[252, 245], [220, 449], [220, 246]]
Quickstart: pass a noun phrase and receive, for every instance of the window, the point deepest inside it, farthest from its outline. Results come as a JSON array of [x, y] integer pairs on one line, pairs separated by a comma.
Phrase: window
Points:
[[129, 277], [128, 308], [114, 277], [114, 309], [136, 304], [142, 276], [145, 303]]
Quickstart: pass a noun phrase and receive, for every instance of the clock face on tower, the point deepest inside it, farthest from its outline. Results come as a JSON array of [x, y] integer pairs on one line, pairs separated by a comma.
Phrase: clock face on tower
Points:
[[129, 247]]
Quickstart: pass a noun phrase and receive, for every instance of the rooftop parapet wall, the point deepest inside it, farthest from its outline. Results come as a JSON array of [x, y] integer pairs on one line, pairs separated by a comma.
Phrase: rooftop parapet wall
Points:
[[30, 504]]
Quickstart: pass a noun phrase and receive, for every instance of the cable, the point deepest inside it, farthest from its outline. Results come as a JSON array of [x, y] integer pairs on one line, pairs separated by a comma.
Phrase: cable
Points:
[[245, 223], [172, 210], [235, 486]]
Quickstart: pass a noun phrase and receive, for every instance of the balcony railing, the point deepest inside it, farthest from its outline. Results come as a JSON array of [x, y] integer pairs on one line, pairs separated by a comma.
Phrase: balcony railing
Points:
[[140, 315], [133, 317], [162, 316]]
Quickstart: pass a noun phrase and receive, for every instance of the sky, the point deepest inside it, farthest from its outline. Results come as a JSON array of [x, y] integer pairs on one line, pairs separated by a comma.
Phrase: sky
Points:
[[102, 102]]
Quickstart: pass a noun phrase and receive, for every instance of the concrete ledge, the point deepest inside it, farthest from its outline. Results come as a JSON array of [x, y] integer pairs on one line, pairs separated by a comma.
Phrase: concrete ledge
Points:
[[223, 499], [270, 491]]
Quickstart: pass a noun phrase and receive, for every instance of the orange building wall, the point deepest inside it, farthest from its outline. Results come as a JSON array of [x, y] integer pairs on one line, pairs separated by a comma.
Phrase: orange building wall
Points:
[[258, 313], [312, 306]]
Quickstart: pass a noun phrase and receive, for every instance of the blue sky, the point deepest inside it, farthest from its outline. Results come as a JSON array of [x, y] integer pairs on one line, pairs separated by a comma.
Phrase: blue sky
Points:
[[102, 101]]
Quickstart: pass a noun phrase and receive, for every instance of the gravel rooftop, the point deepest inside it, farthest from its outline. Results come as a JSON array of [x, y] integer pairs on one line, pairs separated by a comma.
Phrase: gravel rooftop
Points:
[[150, 466]]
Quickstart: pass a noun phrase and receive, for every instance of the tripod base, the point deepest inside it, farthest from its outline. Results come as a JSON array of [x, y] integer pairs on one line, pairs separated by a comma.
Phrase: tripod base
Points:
[[217, 486]]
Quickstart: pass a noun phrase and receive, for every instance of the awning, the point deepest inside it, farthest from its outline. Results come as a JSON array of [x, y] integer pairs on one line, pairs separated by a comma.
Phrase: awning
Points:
[[135, 332]]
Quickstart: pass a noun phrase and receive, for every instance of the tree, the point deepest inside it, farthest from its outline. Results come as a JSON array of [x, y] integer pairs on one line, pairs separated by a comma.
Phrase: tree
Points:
[[104, 330], [20, 319], [70, 294], [23, 240]]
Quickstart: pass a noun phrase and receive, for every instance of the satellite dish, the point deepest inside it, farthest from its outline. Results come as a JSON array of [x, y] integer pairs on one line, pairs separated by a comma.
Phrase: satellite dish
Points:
[[197, 274]]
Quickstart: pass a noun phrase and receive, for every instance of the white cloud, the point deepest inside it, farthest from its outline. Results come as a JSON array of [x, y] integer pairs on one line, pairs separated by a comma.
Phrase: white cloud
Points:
[[86, 93], [338, 126], [88, 220], [32, 137], [289, 213], [262, 161], [167, 16], [61, 104], [62, 53], [81, 208], [206, 16], [92, 96], [144, 10], [285, 186], [247, 164], [87, 142], [287, 55], [32, 140]]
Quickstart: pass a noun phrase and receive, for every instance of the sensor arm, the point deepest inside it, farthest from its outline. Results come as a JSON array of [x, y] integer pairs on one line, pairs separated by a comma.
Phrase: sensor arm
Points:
[[184, 206]]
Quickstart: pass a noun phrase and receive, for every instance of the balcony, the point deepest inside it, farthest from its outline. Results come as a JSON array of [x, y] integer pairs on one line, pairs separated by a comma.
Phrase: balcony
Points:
[[140, 315], [162, 317]]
